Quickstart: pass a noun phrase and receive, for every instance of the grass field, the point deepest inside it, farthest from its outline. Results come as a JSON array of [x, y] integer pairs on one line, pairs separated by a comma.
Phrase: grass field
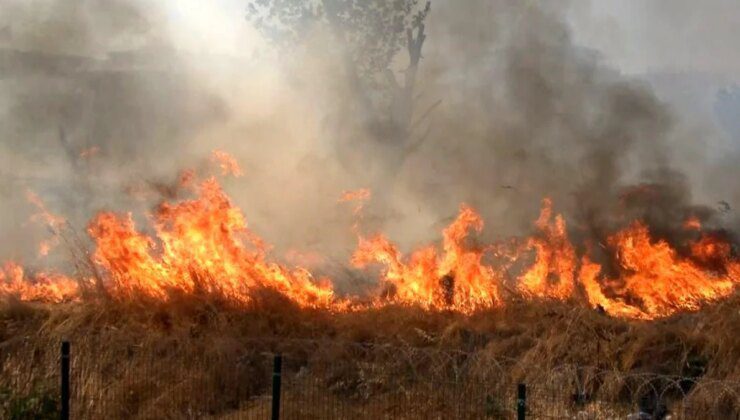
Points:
[[147, 359]]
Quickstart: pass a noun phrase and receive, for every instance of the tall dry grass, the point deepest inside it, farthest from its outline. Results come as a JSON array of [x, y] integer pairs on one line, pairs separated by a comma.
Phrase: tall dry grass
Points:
[[149, 359]]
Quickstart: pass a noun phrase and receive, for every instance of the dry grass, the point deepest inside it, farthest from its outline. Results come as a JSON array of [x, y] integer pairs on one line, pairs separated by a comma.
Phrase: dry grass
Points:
[[145, 359]]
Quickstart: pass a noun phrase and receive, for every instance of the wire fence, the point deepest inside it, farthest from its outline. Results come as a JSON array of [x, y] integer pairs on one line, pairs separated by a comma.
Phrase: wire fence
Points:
[[321, 379]]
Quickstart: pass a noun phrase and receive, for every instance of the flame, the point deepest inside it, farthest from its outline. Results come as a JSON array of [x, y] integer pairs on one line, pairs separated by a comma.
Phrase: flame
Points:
[[553, 273], [656, 281], [360, 196], [201, 245], [692, 223], [455, 280], [44, 287], [52, 221], [43, 215], [227, 163], [46, 246]]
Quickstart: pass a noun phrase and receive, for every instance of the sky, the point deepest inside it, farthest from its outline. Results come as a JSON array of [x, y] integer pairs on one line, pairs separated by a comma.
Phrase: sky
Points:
[[635, 36], [640, 36]]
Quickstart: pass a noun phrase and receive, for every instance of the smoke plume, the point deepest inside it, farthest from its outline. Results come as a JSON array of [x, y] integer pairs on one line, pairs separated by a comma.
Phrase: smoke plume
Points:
[[507, 110]]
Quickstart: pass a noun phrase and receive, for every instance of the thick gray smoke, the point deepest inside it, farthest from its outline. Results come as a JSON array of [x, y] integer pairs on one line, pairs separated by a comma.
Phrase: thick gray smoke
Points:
[[507, 110], [528, 114]]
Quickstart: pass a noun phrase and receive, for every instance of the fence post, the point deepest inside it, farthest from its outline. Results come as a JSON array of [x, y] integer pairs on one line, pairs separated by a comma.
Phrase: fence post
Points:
[[277, 368], [521, 402], [65, 380]]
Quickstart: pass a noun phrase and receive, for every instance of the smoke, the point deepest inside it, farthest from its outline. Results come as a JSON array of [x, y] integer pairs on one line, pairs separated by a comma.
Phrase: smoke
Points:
[[528, 114], [509, 110], [644, 37]]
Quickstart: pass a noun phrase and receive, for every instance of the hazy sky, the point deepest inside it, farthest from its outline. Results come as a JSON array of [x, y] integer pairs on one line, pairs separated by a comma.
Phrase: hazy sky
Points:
[[662, 35], [636, 36]]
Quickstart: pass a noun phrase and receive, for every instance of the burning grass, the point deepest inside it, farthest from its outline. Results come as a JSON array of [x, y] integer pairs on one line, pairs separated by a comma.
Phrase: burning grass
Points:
[[546, 333], [202, 245], [199, 293], [145, 358]]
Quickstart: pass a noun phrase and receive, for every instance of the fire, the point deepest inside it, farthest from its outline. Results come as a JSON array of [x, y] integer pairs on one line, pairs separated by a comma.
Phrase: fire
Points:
[[52, 221], [44, 287], [692, 223], [202, 245], [456, 279], [552, 274], [357, 195], [710, 249], [227, 163], [43, 215], [198, 243], [656, 281], [360, 197]]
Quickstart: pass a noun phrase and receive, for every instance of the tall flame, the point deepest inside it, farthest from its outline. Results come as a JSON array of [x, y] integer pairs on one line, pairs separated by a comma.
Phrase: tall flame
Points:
[[202, 245], [552, 274], [456, 279]]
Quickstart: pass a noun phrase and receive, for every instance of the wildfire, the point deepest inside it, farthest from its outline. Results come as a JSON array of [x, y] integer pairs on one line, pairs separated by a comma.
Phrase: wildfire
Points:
[[44, 215], [227, 163], [655, 280], [45, 287], [360, 197], [52, 221], [455, 280], [201, 245], [552, 274], [692, 223]]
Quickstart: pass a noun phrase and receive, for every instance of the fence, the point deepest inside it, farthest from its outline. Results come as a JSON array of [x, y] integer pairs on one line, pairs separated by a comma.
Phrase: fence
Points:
[[306, 379]]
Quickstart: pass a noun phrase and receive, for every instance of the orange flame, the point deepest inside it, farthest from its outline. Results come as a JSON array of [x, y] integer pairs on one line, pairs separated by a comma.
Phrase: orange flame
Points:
[[202, 246], [552, 274], [45, 287], [52, 221], [360, 196], [455, 280], [692, 223], [44, 215], [656, 281], [227, 163]]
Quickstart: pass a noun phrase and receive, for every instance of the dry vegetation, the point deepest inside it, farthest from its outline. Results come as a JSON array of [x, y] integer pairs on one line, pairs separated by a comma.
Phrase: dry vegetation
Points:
[[149, 359]]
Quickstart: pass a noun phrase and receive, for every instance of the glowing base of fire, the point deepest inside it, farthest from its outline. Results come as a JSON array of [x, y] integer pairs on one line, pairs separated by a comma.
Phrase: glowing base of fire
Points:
[[202, 245]]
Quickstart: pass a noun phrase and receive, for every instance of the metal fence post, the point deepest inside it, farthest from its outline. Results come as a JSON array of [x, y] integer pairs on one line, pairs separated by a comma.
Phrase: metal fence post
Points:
[[277, 368], [65, 381], [521, 402]]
